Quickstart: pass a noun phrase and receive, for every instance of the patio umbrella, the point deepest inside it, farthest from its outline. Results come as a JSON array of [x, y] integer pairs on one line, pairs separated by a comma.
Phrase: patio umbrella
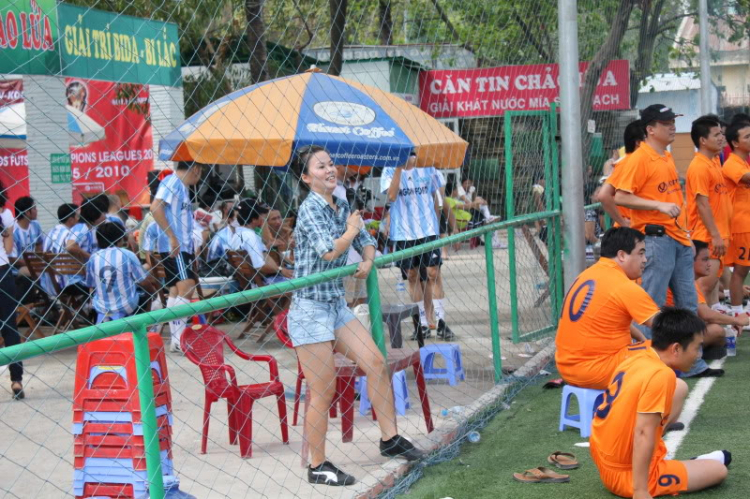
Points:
[[359, 125], [82, 129]]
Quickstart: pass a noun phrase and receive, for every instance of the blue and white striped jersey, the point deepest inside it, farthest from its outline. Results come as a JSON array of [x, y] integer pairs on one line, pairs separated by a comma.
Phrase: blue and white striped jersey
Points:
[[245, 239], [110, 217], [26, 239], [85, 237], [113, 273], [413, 212], [179, 210], [56, 242], [155, 239], [220, 243]]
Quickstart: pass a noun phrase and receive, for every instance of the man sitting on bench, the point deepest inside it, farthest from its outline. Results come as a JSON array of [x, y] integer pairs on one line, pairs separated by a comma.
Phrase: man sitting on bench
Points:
[[595, 328]]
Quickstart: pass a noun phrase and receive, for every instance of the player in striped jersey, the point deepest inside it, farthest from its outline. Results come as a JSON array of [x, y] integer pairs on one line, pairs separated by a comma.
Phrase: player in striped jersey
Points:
[[155, 240], [27, 237], [173, 211], [61, 240], [414, 221], [115, 273], [250, 216], [27, 233]]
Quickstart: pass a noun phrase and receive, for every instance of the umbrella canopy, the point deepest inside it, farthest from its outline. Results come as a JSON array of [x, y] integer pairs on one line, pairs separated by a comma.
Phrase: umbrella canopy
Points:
[[82, 129], [359, 125]]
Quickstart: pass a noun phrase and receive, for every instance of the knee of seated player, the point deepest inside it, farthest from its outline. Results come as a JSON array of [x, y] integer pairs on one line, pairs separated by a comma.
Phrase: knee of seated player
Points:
[[704, 473], [714, 336], [680, 391]]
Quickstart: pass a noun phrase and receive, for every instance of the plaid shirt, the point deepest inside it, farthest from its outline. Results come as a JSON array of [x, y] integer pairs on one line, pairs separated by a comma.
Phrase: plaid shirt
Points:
[[318, 226]]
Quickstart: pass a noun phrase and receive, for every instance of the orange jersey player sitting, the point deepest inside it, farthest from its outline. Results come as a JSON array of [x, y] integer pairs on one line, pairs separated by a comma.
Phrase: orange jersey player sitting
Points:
[[643, 397], [595, 329]]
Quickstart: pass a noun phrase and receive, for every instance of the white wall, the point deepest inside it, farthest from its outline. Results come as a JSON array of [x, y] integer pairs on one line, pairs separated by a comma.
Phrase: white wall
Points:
[[47, 125], [373, 73], [167, 113]]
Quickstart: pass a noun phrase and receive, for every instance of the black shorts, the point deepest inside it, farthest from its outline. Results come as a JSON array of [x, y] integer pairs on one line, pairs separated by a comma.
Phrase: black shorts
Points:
[[431, 258], [179, 268]]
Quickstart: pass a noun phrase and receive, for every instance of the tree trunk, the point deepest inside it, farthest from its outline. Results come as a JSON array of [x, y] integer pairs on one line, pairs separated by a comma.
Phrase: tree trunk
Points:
[[603, 56], [647, 35], [338, 38], [256, 41], [385, 35]]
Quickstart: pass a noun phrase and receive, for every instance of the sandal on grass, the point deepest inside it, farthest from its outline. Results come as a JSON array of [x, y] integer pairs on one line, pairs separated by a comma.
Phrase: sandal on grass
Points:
[[563, 460], [540, 475]]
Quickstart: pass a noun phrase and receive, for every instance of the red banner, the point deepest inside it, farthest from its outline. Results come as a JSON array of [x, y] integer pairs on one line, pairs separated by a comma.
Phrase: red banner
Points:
[[492, 91], [116, 150], [11, 92], [14, 174]]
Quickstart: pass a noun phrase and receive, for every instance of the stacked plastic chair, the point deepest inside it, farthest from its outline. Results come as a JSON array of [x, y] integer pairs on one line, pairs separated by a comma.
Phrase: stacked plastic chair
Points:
[[109, 449]]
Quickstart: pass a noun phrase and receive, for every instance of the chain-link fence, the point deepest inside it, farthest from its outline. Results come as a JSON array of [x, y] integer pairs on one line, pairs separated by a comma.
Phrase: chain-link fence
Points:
[[150, 160]]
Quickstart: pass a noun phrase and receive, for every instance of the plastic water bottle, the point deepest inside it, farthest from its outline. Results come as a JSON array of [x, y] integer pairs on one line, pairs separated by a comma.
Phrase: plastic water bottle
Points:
[[731, 341], [473, 437], [401, 293], [455, 412]]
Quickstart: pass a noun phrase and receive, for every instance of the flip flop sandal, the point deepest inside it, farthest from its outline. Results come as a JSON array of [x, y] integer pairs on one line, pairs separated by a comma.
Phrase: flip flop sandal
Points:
[[563, 460], [540, 475]]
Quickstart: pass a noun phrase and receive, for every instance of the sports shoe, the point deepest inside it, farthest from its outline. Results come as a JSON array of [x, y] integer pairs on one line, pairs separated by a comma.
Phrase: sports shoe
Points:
[[444, 332], [426, 333], [710, 373], [328, 474], [174, 347], [721, 308], [398, 446]]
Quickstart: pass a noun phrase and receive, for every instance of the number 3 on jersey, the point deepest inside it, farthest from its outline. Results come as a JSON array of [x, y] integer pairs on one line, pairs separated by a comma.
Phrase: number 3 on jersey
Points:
[[588, 288], [603, 410]]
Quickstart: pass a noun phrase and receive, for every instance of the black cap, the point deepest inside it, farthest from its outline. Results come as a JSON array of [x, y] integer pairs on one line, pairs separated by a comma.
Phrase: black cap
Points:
[[657, 112]]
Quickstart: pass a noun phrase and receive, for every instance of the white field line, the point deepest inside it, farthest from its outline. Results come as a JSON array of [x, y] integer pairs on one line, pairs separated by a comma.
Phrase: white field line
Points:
[[674, 439]]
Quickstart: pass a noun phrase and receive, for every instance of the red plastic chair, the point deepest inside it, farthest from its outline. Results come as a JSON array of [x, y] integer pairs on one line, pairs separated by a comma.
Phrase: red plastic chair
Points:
[[204, 346]]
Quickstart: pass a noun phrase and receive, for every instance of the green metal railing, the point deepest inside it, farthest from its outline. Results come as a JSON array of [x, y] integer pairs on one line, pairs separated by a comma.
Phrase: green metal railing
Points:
[[138, 324]]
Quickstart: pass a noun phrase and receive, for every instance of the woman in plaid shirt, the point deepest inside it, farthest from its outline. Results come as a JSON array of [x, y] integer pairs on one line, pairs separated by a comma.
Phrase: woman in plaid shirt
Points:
[[319, 321]]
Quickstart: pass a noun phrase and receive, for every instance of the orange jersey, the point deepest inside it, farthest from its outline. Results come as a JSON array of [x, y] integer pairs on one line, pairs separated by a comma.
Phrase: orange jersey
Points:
[[733, 170], [704, 178], [596, 316], [654, 177], [670, 297], [642, 384], [614, 179]]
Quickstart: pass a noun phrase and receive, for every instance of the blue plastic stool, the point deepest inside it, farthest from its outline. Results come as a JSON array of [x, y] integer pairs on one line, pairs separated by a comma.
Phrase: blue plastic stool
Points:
[[400, 394], [588, 400], [454, 368]]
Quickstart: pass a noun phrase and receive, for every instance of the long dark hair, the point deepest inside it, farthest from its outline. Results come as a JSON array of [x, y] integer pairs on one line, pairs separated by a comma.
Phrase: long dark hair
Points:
[[301, 162]]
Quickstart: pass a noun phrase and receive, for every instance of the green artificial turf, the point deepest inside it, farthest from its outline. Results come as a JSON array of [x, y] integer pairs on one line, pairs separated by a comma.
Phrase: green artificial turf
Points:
[[523, 436]]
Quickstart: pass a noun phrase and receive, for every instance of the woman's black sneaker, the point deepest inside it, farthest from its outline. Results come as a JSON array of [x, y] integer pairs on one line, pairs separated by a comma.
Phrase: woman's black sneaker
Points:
[[426, 333], [398, 446], [328, 474]]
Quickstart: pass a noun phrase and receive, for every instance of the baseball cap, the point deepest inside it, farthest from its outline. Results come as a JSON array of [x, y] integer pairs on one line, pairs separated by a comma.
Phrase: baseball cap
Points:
[[657, 112]]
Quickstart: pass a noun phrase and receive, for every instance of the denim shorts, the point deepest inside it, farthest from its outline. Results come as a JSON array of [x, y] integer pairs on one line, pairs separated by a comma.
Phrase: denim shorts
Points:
[[311, 321]]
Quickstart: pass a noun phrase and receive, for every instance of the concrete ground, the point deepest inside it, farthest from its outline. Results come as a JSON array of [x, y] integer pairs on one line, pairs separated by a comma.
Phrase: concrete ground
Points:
[[37, 447]]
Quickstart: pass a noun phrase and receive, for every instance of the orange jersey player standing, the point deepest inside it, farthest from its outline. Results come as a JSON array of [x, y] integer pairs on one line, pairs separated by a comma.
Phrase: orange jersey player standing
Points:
[[736, 171], [595, 329], [620, 215], [709, 202], [643, 397]]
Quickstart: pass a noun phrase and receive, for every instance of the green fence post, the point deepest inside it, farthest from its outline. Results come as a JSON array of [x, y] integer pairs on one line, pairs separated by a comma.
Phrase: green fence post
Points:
[[376, 314], [492, 297], [510, 210], [148, 412]]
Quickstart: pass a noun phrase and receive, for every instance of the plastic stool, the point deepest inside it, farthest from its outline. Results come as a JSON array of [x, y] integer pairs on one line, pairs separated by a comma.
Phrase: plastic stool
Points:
[[588, 400], [454, 368], [400, 394]]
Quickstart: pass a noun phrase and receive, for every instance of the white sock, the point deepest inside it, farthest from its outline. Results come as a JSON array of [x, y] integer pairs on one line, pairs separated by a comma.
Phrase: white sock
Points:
[[179, 324], [484, 209], [156, 304], [717, 455], [737, 308], [439, 310], [422, 313], [170, 303]]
